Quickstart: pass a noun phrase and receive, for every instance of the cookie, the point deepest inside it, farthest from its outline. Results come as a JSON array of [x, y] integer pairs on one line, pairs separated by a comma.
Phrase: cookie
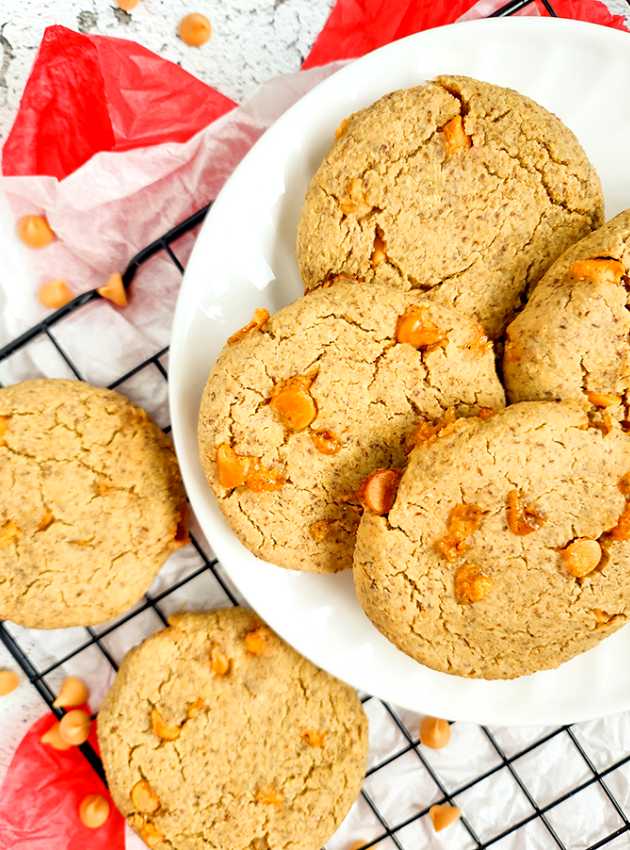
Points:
[[216, 734], [92, 503], [297, 412], [507, 548], [457, 187], [572, 339]]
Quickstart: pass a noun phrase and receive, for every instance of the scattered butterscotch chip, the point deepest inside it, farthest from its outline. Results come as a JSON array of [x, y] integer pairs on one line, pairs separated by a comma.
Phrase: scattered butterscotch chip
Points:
[[219, 662], [314, 738], [471, 584], [194, 29], [478, 344], [454, 135], [624, 484], [443, 815], [269, 796], [53, 738], [144, 798], [195, 708], [427, 430], [35, 231], [598, 270], [127, 5], [378, 491], [4, 427], [54, 294], [259, 320], [326, 442], [9, 533], [463, 520], [263, 479], [342, 127], [165, 731], [73, 692], [93, 811], [74, 727], [434, 732], [486, 413], [9, 681], [232, 468], [604, 619], [320, 530], [622, 530], [46, 520], [150, 834], [379, 250], [257, 641], [521, 519], [292, 402], [416, 328], [581, 556], [114, 290], [603, 399]]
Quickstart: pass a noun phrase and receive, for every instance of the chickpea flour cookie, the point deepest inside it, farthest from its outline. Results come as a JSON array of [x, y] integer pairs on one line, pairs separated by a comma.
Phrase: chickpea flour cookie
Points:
[[507, 548], [216, 734], [572, 339], [299, 408], [92, 503], [458, 187]]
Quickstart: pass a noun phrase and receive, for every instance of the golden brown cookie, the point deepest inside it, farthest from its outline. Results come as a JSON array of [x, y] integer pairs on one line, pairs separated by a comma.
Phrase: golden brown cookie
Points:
[[457, 187], [92, 503], [571, 340], [297, 412], [216, 734], [507, 548]]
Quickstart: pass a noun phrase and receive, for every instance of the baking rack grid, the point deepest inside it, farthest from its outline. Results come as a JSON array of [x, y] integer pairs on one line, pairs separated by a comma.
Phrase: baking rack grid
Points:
[[388, 830]]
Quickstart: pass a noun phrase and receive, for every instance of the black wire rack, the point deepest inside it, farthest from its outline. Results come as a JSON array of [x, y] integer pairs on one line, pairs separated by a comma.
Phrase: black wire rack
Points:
[[386, 829]]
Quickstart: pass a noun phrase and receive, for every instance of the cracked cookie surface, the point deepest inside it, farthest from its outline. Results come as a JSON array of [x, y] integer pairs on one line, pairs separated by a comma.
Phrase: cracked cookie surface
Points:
[[356, 395], [572, 339], [457, 187], [507, 547], [91, 503], [263, 751]]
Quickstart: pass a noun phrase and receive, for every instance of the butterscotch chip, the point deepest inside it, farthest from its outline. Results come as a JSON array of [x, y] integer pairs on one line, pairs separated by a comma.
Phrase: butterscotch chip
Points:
[[295, 418], [277, 725], [219, 662], [521, 518], [114, 290], [52, 738], [258, 641], [195, 708], [500, 604], [342, 127], [144, 798], [442, 816], [9, 681], [259, 320], [435, 732], [624, 484], [165, 731], [93, 811], [320, 530], [54, 294], [416, 328], [72, 552], [194, 29], [378, 492], [73, 692], [34, 231], [74, 727], [573, 335], [476, 227]]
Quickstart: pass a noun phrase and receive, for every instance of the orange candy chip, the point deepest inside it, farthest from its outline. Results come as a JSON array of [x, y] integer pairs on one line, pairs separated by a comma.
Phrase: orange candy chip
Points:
[[622, 530], [523, 519], [194, 29], [259, 320], [454, 135], [292, 402], [54, 294], [234, 470], [463, 521], [326, 442], [35, 231], [415, 328], [598, 270], [378, 492], [114, 290]]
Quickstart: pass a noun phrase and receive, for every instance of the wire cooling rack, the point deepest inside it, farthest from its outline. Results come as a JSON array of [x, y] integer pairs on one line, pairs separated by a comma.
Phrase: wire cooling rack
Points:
[[388, 825]]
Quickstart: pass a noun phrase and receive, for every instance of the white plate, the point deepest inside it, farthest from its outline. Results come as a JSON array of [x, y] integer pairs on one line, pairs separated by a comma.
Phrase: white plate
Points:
[[244, 258]]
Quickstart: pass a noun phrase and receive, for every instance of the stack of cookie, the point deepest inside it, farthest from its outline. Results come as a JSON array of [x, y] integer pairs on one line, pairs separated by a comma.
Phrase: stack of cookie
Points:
[[364, 426]]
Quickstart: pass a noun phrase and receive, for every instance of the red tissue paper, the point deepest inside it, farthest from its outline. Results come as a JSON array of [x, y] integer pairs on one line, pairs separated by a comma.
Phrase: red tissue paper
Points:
[[355, 27], [91, 93], [41, 794]]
